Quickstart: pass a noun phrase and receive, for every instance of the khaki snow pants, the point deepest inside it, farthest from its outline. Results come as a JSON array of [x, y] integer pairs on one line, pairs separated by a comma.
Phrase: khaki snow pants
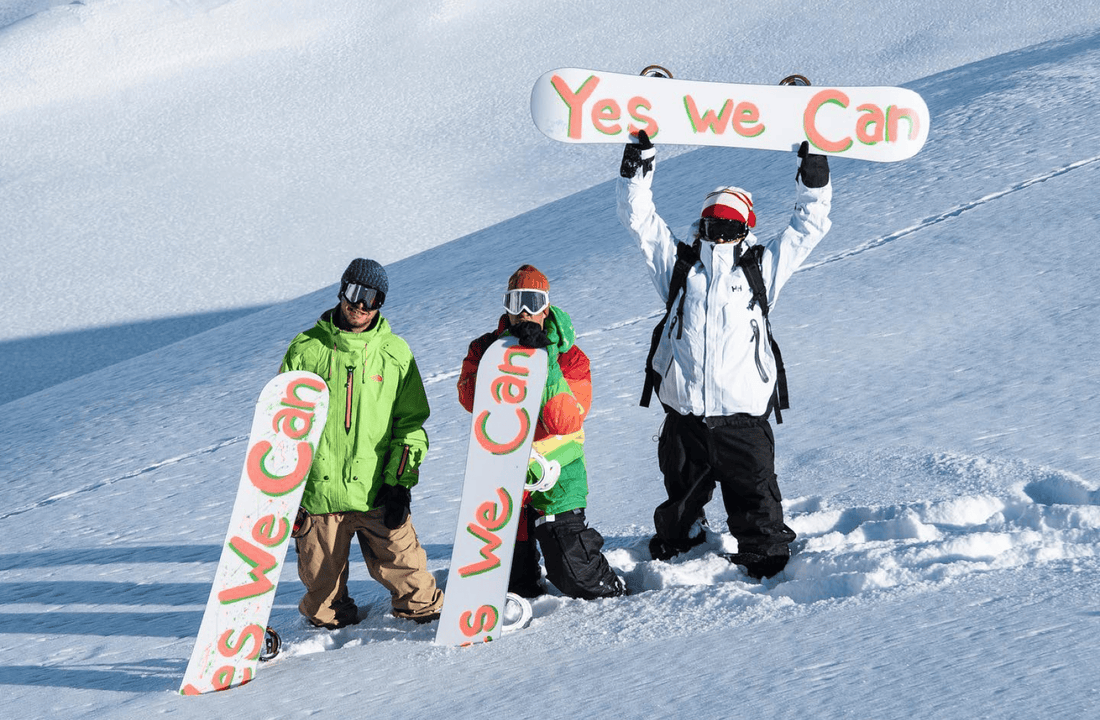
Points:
[[394, 558]]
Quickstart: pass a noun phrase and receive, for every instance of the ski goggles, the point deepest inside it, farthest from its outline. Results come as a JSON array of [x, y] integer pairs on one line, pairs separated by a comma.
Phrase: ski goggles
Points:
[[715, 229], [533, 301], [372, 299]]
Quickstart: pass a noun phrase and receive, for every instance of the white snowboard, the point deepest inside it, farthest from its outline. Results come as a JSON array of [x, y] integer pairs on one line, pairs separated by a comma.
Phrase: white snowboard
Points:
[[883, 124], [507, 400], [286, 427]]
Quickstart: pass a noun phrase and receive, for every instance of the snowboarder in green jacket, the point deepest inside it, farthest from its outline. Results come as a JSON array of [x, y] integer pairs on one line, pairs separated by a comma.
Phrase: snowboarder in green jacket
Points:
[[367, 459]]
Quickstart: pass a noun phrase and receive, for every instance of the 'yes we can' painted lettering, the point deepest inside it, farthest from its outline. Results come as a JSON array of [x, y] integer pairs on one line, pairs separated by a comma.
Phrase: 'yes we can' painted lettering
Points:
[[509, 396], [290, 416], [830, 119]]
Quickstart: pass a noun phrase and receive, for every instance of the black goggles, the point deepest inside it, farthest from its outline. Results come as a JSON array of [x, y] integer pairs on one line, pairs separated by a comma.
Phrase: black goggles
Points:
[[372, 299], [533, 301], [715, 229]]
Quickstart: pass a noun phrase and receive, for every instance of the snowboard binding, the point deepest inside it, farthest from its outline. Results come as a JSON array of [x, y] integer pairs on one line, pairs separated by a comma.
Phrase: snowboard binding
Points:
[[549, 472], [272, 644], [656, 71], [517, 613], [797, 80]]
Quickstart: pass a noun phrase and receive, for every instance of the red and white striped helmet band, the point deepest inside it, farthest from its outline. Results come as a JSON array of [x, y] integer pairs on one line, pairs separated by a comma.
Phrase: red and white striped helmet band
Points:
[[730, 203]]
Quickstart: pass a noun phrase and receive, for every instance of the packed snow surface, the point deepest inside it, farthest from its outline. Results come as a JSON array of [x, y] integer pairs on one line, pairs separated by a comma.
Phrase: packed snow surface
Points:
[[181, 184]]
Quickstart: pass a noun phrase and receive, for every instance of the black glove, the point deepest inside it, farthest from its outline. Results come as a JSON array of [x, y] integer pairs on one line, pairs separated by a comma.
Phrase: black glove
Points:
[[530, 334], [814, 169], [396, 502], [638, 156]]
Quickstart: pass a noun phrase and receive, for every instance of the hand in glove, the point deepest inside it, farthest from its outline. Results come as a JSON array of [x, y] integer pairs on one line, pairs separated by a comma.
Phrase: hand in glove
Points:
[[530, 334], [638, 156], [395, 501], [814, 169]]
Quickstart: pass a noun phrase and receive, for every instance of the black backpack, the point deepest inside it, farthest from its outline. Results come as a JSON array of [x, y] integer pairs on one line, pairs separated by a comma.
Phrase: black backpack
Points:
[[750, 263]]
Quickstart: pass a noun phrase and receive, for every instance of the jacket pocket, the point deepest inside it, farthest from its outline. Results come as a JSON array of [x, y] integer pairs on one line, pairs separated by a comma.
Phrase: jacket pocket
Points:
[[756, 338]]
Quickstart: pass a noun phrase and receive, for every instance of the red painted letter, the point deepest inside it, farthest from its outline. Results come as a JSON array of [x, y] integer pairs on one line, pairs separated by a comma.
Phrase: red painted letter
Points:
[[709, 121], [491, 561], [270, 484], [292, 398], [253, 632], [502, 448], [634, 107], [809, 119], [485, 618], [262, 563], [575, 101]]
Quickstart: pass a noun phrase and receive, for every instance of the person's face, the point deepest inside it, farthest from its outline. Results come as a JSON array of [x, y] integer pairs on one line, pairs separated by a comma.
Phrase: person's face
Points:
[[722, 231], [524, 300], [525, 316], [357, 316]]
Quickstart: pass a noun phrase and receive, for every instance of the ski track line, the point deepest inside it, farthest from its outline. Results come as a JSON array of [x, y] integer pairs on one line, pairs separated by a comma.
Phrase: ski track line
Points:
[[953, 213], [625, 323], [135, 473], [439, 377]]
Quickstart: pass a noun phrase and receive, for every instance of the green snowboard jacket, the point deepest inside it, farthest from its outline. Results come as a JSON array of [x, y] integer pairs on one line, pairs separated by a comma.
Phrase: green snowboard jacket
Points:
[[377, 408]]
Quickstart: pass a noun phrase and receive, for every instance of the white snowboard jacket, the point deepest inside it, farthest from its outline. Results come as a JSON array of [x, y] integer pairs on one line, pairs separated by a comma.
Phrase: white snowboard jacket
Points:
[[722, 363]]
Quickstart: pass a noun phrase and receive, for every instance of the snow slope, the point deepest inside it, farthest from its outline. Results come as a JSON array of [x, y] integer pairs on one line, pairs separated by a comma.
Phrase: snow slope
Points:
[[938, 464], [160, 159]]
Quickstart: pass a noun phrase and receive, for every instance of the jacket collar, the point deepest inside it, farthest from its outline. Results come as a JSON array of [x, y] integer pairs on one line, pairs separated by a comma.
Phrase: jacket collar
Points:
[[345, 341]]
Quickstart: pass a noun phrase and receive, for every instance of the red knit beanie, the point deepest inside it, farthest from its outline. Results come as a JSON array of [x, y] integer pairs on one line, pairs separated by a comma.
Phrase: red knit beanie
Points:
[[730, 203], [528, 277]]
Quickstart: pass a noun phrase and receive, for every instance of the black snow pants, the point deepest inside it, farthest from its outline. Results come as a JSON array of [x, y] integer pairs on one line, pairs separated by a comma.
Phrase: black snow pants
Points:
[[736, 452], [572, 551]]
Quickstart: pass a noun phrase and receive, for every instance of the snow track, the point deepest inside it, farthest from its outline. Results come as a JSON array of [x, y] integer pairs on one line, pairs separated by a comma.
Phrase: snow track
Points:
[[106, 482], [949, 214]]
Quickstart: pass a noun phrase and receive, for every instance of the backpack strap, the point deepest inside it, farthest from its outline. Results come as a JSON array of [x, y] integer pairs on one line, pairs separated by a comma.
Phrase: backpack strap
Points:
[[686, 257], [751, 263]]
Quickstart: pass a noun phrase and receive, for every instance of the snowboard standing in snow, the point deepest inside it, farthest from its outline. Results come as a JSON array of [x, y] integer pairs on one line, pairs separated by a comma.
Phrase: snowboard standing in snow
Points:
[[289, 418], [507, 399], [883, 124]]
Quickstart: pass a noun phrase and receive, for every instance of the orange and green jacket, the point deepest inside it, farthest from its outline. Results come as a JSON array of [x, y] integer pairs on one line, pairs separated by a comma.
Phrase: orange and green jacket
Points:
[[566, 401]]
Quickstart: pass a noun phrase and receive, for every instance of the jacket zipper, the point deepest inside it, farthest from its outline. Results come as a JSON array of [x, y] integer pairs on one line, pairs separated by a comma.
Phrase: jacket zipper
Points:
[[404, 461], [756, 339], [347, 402]]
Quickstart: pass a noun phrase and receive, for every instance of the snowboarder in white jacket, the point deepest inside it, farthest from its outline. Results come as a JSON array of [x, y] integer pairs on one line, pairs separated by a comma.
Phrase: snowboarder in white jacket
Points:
[[713, 367]]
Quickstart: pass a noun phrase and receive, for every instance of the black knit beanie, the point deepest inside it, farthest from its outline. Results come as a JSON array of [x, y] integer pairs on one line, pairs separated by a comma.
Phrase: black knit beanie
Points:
[[367, 273]]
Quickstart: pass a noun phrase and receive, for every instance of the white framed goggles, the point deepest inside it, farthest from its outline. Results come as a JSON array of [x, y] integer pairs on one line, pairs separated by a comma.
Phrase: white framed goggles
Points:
[[533, 301]]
